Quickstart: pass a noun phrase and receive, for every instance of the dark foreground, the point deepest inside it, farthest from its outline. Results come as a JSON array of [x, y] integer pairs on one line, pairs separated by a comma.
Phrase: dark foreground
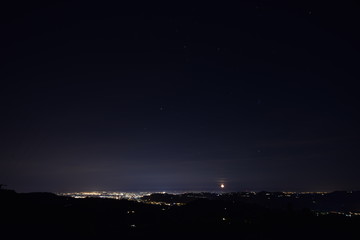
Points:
[[48, 216]]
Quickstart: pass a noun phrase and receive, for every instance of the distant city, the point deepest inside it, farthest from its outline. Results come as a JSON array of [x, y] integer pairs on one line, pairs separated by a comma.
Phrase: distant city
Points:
[[107, 194], [140, 194], [322, 203]]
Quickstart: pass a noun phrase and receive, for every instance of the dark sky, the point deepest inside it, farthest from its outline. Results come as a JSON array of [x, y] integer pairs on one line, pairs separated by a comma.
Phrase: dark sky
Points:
[[261, 95]]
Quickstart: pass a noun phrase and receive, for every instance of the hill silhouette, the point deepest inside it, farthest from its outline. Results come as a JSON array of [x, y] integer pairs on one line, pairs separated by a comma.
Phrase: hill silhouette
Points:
[[49, 216]]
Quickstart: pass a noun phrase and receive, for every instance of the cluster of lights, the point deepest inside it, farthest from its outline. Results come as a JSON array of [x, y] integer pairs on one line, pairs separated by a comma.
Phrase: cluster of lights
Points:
[[163, 204], [347, 214], [118, 195], [105, 194], [303, 193]]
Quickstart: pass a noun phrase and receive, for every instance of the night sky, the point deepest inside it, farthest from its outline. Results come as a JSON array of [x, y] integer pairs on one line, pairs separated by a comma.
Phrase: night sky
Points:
[[261, 95]]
